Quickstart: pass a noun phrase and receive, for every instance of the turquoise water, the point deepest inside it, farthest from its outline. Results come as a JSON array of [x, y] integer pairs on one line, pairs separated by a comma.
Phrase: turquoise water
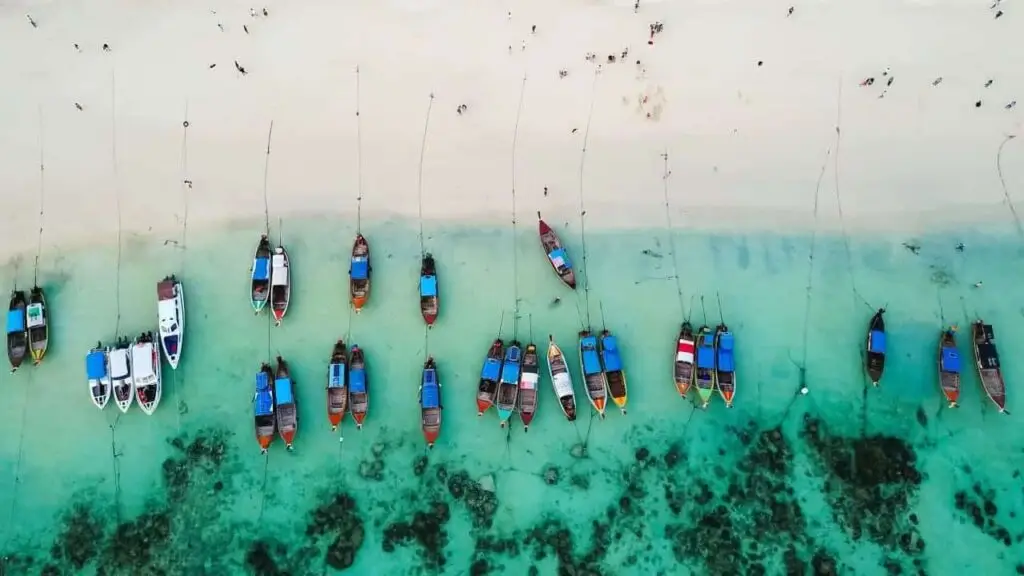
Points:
[[840, 480]]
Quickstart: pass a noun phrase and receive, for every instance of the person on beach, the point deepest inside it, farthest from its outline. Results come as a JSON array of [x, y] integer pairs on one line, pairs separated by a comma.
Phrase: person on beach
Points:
[[31, 21]]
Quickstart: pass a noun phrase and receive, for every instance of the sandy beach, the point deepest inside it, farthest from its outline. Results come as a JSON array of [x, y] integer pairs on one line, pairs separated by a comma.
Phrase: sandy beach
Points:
[[745, 98]]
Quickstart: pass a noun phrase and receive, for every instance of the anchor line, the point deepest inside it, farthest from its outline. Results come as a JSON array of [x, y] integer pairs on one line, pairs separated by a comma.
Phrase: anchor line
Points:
[[17, 465], [671, 235], [359, 160], [419, 185], [583, 211], [810, 259], [117, 195], [115, 465], [42, 196], [266, 173], [1002, 181], [839, 202], [515, 236], [263, 486], [186, 184]]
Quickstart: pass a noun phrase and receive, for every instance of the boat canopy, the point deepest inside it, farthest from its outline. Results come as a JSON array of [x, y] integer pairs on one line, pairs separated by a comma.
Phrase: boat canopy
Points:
[[684, 351], [357, 381], [876, 342], [726, 363], [142, 362], [987, 356], [950, 360], [96, 365], [171, 343], [563, 384], [491, 370], [529, 381], [610, 354], [726, 341], [35, 315], [336, 376], [986, 330], [705, 355], [165, 290], [118, 359], [591, 361], [280, 276], [15, 321], [510, 370], [428, 285], [283, 388], [360, 268], [430, 395], [261, 269], [264, 399], [559, 258]]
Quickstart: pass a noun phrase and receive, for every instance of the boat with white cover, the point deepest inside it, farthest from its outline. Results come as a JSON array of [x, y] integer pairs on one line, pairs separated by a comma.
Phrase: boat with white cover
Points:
[[146, 372], [170, 309], [119, 367], [98, 375], [280, 285], [561, 380]]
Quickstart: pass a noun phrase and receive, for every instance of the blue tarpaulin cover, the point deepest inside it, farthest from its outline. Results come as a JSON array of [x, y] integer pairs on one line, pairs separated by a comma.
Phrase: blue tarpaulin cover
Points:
[[591, 361], [95, 365], [877, 341], [283, 387], [261, 271], [491, 370], [560, 258], [510, 369], [357, 380], [725, 357], [15, 321], [705, 355], [950, 360], [610, 354], [360, 268], [726, 341], [264, 399], [337, 375], [428, 285], [431, 395]]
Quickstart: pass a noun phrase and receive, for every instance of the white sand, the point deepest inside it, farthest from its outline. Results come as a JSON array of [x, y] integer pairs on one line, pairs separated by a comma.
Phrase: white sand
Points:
[[746, 143]]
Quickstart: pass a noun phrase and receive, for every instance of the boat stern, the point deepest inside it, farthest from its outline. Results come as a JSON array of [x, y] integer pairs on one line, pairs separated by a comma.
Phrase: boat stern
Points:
[[431, 437], [429, 318], [504, 416], [683, 388], [359, 417], [265, 442], [358, 302], [527, 418], [289, 439], [335, 419], [482, 406], [599, 405], [620, 401], [727, 396]]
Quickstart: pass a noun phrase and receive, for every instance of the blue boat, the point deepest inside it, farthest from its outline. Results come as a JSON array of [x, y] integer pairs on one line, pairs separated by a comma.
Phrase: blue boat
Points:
[[337, 385], [263, 405], [430, 402], [508, 385], [359, 273], [358, 393], [949, 367], [874, 359], [725, 364], [17, 333], [614, 374], [593, 374], [705, 377], [98, 375], [285, 405], [489, 376], [430, 300], [260, 276]]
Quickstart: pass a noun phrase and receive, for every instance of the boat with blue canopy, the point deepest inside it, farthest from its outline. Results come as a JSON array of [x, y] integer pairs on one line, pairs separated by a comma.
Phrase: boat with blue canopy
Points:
[[430, 300], [119, 365], [508, 385], [337, 384], [359, 271], [561, 380], [593, 375], [17, 334], [557, 256], [98, 375], [259, 293], [489, 376], [725, 364], [38, 324], [263, 405], [358, 392], [949, 366], [285, 404], [705, 377], [430, 402], [614, 374], [874, 359]]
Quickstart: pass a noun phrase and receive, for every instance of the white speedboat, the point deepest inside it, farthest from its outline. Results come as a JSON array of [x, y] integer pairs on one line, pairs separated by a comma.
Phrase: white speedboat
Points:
[[561, 380], [146, 372], [119, 368], [99, 376], [170, 310]]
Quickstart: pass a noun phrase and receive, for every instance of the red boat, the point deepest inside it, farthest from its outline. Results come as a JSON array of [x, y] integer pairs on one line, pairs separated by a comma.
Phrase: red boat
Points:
[[556, 253]]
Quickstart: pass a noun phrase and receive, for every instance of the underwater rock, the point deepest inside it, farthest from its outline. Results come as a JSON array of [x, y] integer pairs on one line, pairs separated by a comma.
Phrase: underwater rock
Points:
[[578, 450], [80, 540], [372, 469], [482, 504], [260, 560], [205, 453], [641, 454], [339, 519], [427, 529], [419, 466], [980, 507], [674, 455], [487, 483], [133, 547], [551, 475]]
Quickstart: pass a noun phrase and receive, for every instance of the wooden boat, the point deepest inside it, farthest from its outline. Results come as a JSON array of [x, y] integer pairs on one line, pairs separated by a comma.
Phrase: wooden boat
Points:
[[704, 379], [725, 364], [875, 347], [38, 324], [358, 393], [119, 365], [260, 275], [98, 375], [593, 376], [17, 334], [430, 300], [285, 404], [508, 384], [561, 380], [489, 376], [430, 402], [686, 345], [263, 404], [170, 309], [615, 376], [359, 272], [337, 384], [556, 253], [986, 358], [146, 373], [280, 284], [528, 386], [949, 366]]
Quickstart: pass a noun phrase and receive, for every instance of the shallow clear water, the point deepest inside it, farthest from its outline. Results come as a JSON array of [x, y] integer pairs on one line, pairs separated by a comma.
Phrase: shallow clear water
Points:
[[840, 479]]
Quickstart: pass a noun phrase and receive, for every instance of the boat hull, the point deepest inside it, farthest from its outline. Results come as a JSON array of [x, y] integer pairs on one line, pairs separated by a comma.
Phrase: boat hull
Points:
[[561, 380], [986, 361], [360, 271], [38, 325], [280, 285], [172, 324], [259, 290]]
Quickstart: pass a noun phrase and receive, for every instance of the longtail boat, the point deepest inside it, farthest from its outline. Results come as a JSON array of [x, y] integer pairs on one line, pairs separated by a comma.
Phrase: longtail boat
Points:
[[725, 364], [337, 384], [98, 375], [17, 335], [561, 380], [430, 402], [170, 310], [147, 373], [358, 393], [359, 272], [556, 253], [875, 347], [990, 373], [285, 404], [528, 381], [614, 373], [260, 274], [430, 300], [280, 285], [263, 405], [119, 365], [705, 377], [949, 366], [489, 376], [508, 385], [686, 345], [593, 375], [38, 324]]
